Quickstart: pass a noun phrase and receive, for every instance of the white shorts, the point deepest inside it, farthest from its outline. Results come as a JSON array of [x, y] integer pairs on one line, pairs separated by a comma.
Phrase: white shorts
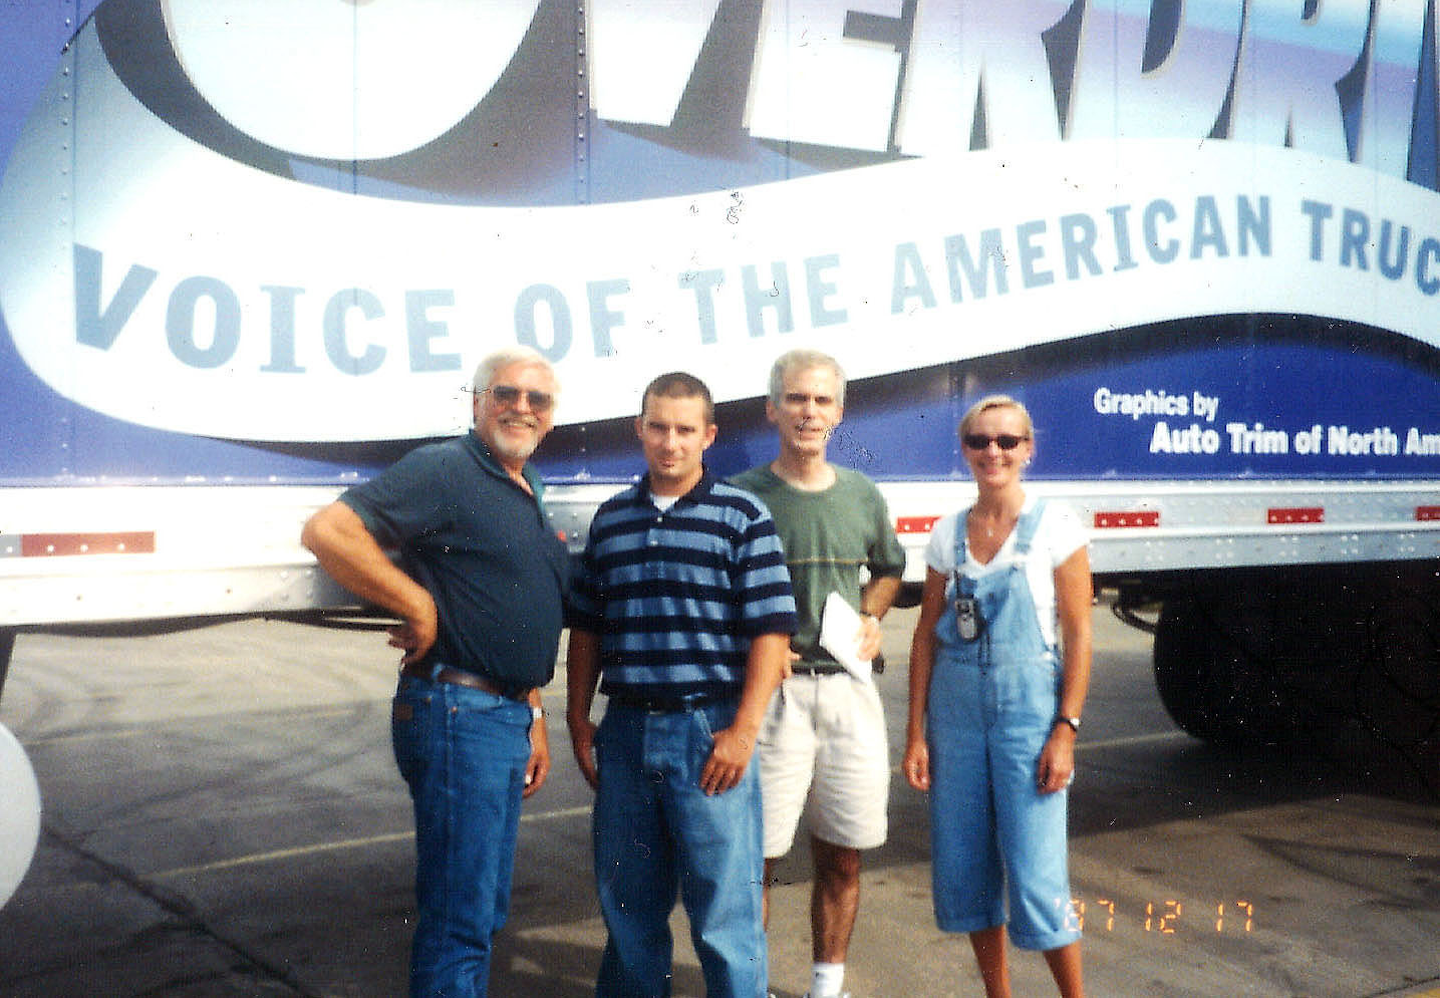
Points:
[[824, 753]]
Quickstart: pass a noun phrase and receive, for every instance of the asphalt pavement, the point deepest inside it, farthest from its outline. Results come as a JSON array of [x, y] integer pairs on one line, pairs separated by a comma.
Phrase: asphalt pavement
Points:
[[222, 817]]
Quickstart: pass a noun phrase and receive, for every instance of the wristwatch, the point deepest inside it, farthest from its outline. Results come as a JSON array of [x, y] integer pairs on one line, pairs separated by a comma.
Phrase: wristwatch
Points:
[[1074, 722]]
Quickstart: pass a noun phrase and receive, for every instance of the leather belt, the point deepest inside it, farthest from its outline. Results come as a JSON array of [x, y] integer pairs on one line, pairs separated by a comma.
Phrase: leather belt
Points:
[[666, 705], [459, 677], [816, 670]]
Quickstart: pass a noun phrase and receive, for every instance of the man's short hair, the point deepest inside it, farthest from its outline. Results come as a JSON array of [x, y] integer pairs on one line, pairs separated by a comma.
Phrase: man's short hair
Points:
[[679, 385], [802, 360], [506, 356]]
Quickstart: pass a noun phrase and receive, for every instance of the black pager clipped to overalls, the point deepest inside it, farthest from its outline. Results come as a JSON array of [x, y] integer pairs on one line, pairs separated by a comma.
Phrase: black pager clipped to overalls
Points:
[[968, 620]]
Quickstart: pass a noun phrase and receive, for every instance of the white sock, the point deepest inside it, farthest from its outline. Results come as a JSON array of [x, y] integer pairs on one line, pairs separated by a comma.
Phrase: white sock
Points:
[[825, 979]]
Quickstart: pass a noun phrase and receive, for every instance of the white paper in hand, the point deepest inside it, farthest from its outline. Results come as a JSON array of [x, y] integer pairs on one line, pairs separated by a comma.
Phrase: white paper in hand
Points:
[[840, 636]]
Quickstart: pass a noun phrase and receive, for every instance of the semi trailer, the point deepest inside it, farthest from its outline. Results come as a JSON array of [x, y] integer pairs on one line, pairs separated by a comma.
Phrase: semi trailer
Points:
[[251, 250]]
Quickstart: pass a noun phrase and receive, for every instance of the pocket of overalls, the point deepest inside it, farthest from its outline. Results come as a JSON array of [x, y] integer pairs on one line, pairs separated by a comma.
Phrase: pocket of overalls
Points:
[[1041, 677]]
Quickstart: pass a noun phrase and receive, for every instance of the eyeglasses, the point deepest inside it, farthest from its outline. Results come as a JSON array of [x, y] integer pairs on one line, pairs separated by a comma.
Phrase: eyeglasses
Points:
[[508, 395], [979, 441]]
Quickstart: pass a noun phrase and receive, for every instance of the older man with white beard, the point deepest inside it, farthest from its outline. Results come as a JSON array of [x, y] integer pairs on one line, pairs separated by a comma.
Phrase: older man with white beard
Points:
[[479, 592]]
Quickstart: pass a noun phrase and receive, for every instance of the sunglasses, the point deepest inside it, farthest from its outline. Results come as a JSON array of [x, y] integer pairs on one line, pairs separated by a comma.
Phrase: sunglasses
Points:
[[979, 441], [509, 395]]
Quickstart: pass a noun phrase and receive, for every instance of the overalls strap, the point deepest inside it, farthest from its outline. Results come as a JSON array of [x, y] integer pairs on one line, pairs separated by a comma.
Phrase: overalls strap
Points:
[[1026, 527], [962, 541]]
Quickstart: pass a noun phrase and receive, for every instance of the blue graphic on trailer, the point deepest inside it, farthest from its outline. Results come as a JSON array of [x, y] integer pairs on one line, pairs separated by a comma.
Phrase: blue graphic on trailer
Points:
[[1274, 396]]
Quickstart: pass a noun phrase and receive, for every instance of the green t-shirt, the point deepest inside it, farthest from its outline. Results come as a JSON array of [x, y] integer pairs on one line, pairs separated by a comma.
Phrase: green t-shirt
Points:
[[827, 536]]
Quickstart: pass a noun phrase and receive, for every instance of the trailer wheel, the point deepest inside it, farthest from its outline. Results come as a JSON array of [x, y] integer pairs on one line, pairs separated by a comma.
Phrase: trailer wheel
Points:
[[1400, 691], [1184, 671], [1207, 675], [1343, 662], [1397, 694]]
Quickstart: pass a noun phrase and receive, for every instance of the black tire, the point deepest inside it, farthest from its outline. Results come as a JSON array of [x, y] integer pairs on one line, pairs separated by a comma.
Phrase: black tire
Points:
[[1397, 695], [1344, 662], [1214, 681], [1184, 671], [7, 649]]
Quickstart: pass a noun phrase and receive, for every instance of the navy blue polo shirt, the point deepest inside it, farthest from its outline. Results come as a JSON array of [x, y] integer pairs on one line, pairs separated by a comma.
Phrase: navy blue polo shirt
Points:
[[484, 549]]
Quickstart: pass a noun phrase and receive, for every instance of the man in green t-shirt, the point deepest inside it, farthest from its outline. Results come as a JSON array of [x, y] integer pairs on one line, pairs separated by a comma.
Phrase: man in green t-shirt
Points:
[[823, 747]]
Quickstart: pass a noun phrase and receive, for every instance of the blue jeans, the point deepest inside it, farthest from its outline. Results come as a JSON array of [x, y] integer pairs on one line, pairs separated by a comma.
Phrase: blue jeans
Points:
[[463, 754], [658, 836]]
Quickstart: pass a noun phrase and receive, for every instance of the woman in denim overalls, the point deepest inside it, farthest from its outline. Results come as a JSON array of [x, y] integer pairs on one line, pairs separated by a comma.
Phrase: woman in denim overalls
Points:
[[995, 706]]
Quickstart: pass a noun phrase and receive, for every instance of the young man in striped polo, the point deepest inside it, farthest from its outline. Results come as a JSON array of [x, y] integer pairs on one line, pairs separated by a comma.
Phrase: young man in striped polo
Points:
[[684, 611]]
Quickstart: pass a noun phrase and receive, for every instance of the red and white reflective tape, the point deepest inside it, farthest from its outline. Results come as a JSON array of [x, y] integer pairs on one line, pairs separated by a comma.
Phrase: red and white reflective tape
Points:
[[1114, 519], [1127, 518], [1295, 514], [58, 545]]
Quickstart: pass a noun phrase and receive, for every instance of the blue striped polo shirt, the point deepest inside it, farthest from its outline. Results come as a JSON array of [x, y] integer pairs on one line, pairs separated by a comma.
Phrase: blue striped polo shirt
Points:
[[676, 595]]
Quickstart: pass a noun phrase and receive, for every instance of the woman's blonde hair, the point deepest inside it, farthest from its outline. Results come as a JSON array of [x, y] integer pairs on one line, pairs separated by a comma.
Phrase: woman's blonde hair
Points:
[[996, 402]]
